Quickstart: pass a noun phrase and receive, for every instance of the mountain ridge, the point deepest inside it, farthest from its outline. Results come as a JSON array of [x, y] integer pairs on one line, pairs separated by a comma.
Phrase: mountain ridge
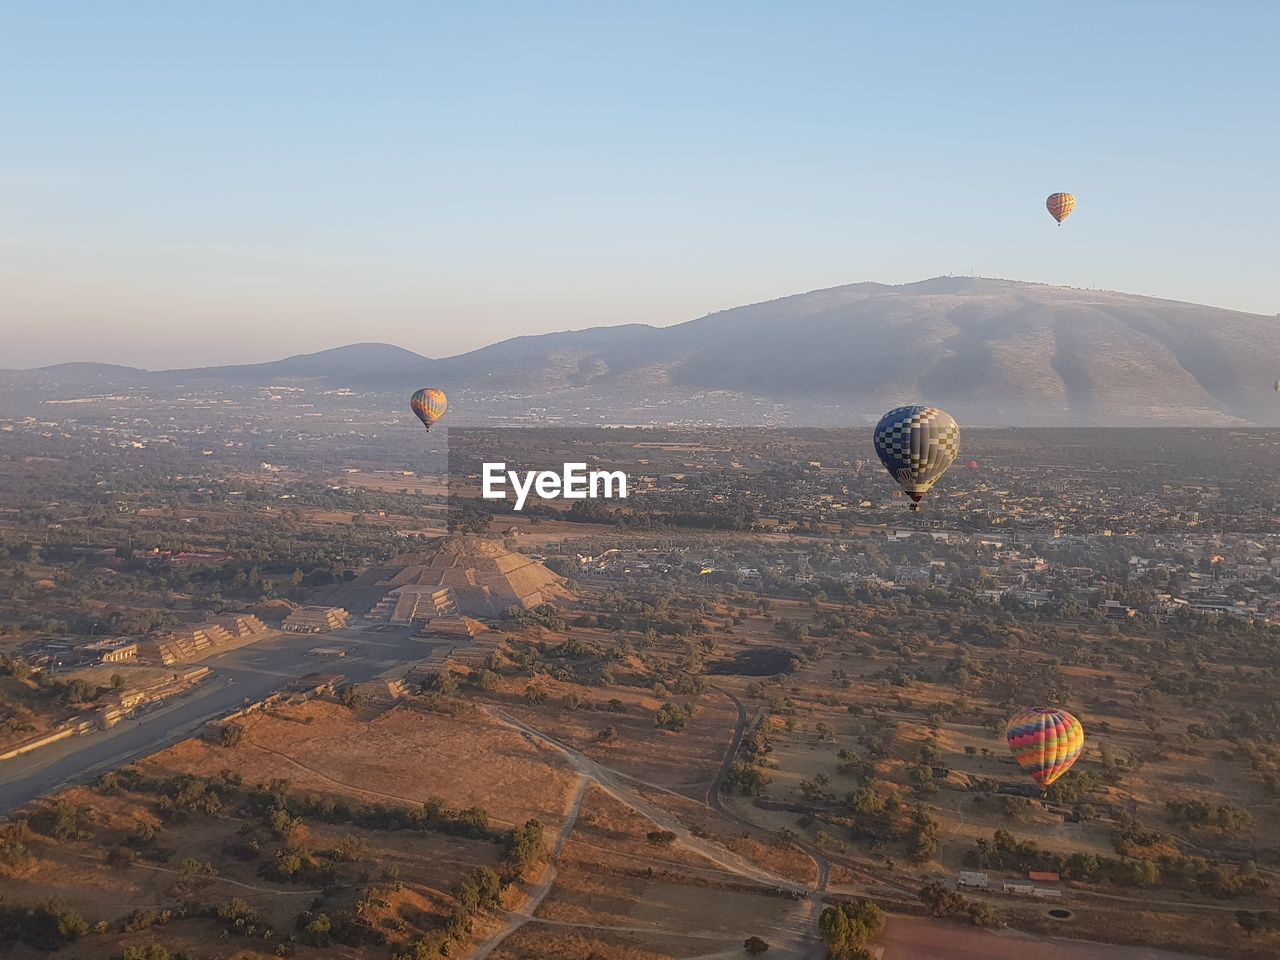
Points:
[[997, 351]]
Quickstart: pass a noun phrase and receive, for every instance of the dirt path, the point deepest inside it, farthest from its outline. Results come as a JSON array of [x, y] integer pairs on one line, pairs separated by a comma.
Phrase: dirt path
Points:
[[516, 919], [822, 865], [710, 873], [796, 940], [1146, 902], [607, 928], [613, 784], [273, 891], [873, 885]]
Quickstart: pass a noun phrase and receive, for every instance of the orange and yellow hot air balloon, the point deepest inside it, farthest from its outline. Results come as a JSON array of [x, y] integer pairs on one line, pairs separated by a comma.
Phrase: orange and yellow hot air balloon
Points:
[[1045, 742], [1060, 206], [429, 404]]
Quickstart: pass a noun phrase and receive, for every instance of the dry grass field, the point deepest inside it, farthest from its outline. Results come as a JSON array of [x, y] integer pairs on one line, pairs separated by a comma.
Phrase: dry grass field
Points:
[[538, 942], [424, 486], [611, 874], [400, 755], [613, 737], [205, 814], [189, 867]]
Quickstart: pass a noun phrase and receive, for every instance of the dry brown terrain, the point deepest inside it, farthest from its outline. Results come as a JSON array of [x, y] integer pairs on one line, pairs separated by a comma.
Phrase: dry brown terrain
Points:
[[908, 939], [563, 724], [400, 755]]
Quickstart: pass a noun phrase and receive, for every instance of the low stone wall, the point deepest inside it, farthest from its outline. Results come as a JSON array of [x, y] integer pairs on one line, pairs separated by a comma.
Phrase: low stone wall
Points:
[[35, 743], [275, 699], [118, 706]]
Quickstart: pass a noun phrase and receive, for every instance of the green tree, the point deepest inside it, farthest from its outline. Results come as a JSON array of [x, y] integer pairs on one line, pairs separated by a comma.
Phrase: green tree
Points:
[[669, 717], [846, 929], [528, 845], [317, 930]]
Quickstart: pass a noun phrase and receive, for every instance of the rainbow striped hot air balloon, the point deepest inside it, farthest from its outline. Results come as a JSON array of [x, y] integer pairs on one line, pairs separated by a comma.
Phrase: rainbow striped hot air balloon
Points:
[[1045, 742], [429, 404]]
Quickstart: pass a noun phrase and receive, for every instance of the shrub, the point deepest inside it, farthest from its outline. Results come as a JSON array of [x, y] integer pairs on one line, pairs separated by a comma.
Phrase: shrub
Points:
[[317, 930], [669, 717], [46, 926], [150, 952], [231, 735]]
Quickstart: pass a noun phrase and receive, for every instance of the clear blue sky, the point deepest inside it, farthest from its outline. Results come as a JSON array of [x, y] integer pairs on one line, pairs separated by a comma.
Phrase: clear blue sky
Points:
[[185, 183]]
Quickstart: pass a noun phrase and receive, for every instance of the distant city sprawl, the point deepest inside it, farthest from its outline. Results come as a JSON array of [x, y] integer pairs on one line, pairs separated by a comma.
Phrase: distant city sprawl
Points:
[[1049, 690]]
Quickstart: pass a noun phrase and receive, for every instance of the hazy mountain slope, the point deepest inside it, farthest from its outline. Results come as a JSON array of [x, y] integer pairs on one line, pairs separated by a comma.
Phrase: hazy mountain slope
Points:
[[89, 373], [553, 361], [361, 359], [991, 351]]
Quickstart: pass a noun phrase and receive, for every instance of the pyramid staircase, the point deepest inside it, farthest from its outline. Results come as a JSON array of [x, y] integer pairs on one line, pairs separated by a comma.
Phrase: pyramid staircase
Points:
[[415, 605], [187, 646]]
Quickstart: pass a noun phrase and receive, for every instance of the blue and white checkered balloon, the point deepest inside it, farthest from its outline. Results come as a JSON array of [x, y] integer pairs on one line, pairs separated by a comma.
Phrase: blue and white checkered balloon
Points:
[[917, 444]]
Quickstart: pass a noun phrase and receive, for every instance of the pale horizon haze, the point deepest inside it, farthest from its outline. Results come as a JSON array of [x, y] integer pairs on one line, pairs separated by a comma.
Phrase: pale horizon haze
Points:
[[184, 184]]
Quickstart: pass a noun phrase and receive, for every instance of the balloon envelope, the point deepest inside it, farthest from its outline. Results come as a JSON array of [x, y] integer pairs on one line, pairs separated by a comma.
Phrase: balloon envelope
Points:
[[1060, 206], [1045, 742], [917, 444], [429, 404]]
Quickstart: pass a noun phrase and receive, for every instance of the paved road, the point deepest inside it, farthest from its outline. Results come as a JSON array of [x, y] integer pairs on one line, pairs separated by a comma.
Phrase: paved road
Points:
[[740, 728], [820, 860], [248, 673]]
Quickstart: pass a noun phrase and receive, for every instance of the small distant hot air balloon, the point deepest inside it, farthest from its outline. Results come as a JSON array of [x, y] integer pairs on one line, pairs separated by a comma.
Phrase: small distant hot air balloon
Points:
[[972, 466], [1045, 742], [917, 444], [1060, 206], [429, 404]]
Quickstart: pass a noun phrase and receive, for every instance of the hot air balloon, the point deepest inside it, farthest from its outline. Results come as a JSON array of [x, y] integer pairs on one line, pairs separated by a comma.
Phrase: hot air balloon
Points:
[[972, 466], [1060, 206], [917, 444], [1045, 742], [429, 404]]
